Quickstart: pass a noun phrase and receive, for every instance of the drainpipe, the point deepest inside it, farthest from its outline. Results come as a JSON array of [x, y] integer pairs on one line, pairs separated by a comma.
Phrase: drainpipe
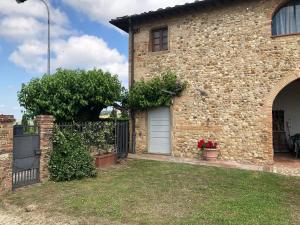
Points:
[[131, 83]]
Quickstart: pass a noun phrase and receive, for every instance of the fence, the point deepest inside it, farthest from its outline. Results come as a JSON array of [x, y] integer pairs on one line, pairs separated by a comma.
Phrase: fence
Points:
[[103, 136], [25, 150]]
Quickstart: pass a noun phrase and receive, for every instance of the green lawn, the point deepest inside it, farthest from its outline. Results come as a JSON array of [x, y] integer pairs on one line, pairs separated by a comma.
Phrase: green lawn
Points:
[[149, 192]]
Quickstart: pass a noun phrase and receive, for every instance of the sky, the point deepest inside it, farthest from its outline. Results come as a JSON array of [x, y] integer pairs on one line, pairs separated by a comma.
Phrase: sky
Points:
[[81, 38]]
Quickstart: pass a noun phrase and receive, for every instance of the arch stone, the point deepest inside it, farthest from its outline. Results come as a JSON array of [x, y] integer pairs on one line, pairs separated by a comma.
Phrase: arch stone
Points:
[[276, 7], [295, 75]]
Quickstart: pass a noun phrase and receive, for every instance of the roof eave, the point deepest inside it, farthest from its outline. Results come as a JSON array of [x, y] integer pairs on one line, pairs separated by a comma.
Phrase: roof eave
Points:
[[122, 24]]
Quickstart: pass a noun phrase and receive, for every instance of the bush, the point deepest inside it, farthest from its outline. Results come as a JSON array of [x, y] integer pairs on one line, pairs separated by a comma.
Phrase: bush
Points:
[[70, 159]]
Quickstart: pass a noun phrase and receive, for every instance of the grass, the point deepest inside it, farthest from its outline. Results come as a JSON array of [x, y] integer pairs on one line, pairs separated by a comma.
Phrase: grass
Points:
[[149, 192]]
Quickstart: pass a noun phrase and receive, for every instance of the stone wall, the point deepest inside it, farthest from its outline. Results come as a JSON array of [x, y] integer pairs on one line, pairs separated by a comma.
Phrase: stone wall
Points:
[[227, 52], [6, 152]]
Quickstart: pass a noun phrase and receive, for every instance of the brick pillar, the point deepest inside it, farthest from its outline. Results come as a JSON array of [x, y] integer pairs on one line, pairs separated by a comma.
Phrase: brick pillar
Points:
[[6, 152], [45, 125]]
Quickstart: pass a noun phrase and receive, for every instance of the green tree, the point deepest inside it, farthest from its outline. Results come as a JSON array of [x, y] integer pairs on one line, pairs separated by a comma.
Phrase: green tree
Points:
[[71, 95]]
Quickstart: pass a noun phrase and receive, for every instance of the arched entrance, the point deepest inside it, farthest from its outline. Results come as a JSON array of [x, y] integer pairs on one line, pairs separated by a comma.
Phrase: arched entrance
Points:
[[286, 122]]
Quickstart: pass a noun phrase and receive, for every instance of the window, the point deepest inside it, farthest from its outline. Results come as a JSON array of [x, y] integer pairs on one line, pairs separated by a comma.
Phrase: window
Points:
[[287, 19], [159, 38]]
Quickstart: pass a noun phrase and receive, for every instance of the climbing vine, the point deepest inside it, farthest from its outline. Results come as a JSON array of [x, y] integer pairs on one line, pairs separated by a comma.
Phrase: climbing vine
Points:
[[157, 92]]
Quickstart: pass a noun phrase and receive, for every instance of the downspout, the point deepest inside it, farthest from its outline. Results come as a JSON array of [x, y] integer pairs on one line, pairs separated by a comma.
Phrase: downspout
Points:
[[131, 83]]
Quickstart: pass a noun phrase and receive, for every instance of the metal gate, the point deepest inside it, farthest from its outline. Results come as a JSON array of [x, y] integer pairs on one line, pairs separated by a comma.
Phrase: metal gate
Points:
[[26, 156], [122, 138]]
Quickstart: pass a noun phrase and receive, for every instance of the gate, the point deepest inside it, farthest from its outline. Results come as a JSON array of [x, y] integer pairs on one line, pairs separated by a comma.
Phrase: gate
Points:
[[122, 138], [26, 156]]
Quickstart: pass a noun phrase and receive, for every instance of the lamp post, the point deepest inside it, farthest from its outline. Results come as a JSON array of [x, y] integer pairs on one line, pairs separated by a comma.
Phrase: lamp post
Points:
[[48, 12]]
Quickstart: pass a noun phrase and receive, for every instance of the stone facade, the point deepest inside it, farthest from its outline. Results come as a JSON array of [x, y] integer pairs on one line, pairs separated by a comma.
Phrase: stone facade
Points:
[[45, 125], [226, 51], [6, 152]]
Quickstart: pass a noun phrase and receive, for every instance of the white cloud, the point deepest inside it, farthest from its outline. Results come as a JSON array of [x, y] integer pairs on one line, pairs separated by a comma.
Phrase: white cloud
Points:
[[104, 10], [26, 24], [88, 52], [32, 9], [19, 22], [78, 52], [30, 55]]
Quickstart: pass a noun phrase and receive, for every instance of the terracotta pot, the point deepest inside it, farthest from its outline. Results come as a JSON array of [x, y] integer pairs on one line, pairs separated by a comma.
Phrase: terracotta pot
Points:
[[210, 154], [106, 160]]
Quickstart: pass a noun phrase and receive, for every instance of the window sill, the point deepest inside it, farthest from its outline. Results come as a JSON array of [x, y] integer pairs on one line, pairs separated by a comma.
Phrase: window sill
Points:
[[159, 52], [285, 35]]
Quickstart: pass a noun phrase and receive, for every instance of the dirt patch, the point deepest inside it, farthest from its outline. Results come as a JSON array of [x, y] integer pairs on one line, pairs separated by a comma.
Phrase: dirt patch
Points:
[[13, 215]]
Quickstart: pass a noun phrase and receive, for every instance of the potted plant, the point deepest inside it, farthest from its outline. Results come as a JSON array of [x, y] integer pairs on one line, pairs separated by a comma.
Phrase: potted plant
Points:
[[208, 150], [106, 158]]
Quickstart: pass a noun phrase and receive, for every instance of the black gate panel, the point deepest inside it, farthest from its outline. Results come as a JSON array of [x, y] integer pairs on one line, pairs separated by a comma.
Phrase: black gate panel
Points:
[[26, 156], [122, 138]]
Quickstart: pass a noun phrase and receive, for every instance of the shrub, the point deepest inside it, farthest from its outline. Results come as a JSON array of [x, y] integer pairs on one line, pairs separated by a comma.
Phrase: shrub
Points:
[[70, 159]]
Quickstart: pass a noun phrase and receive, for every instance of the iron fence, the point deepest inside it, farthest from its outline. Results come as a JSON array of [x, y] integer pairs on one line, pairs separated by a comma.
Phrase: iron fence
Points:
[[103, 136]]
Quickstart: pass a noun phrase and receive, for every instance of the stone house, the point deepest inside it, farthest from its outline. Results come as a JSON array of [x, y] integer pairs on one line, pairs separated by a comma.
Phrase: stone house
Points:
[[241, 59]]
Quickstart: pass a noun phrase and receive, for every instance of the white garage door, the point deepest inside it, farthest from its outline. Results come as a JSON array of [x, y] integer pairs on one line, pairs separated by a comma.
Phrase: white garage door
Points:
[[159, 131]]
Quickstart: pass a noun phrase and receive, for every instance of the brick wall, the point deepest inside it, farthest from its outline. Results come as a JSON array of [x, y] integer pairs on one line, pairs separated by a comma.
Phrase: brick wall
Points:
[[228, 52], [6, 151], [45, 125]]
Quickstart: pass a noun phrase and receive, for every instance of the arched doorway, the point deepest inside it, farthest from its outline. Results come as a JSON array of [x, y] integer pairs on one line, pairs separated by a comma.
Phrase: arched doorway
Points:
[[286, 121]]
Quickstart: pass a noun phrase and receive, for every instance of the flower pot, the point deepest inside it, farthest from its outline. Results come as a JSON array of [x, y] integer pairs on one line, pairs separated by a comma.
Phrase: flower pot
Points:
[[210, 154], [103, 161]]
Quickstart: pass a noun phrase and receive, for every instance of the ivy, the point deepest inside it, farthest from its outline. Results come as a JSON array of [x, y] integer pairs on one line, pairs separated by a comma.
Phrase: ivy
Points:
[[157, 92], [70, 158]]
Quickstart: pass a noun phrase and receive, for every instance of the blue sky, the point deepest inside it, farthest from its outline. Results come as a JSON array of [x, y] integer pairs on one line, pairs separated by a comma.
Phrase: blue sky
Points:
[[81, 38]]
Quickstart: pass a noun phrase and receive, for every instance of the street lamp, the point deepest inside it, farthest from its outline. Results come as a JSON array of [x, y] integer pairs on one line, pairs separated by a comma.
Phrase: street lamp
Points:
[[48, 12]]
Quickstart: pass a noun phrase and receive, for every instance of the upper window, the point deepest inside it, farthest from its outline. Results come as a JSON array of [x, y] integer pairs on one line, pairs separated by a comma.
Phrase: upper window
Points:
[[159, 39], [287, 19]]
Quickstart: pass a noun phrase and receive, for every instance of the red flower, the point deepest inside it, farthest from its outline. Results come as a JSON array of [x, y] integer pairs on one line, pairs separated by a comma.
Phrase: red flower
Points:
[[210, 144], [201, 143]]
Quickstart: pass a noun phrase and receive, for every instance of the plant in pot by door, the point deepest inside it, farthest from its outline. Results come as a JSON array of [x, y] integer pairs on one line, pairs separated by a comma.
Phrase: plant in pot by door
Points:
[[208, 150]]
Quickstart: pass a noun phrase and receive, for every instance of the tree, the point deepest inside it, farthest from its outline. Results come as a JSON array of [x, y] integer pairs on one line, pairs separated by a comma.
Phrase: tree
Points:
[[71, 95]]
